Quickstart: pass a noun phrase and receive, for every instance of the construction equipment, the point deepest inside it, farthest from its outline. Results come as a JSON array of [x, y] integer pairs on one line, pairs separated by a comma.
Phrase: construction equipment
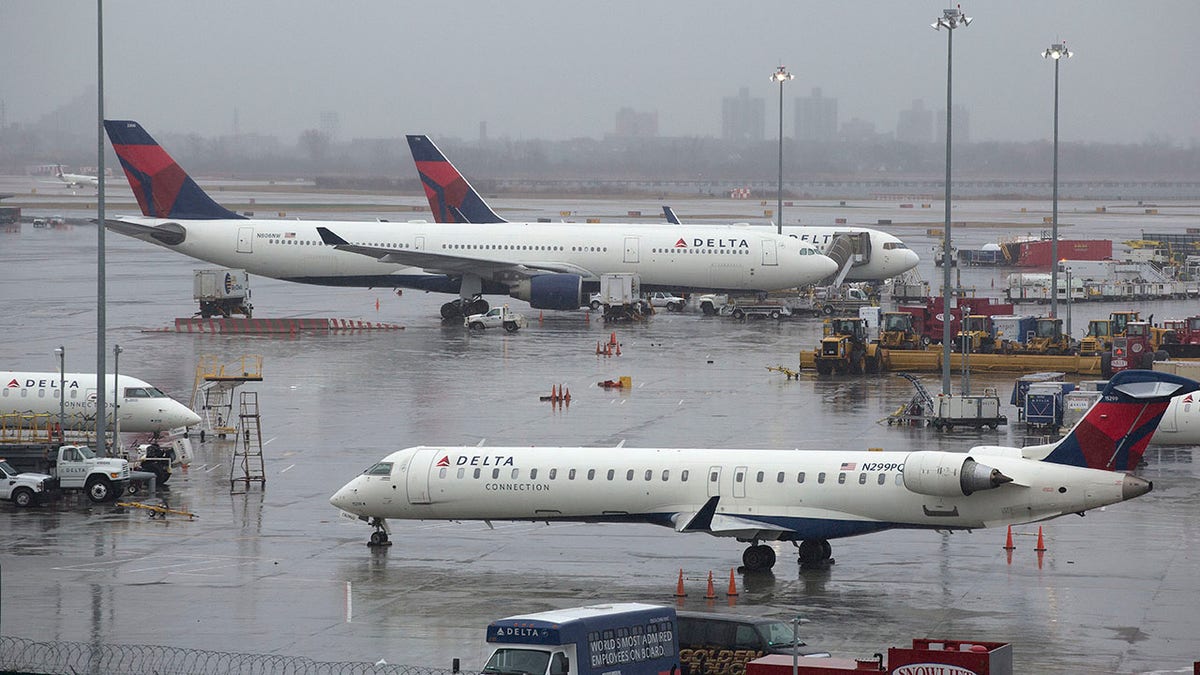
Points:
[[1098, 339], [978, 335], [897, 332], [845, 348]]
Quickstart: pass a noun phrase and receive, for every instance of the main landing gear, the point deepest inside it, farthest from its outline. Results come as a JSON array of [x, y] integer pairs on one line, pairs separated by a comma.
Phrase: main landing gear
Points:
[[457, 309], [811, 554], [380, 536]]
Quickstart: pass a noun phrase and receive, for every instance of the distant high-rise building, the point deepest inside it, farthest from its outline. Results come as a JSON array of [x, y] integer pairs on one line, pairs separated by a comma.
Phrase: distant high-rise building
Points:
[[961, 133], [858, 130], [329, 124], [816, 117], [743, 118], [916, 124], [634, 124]]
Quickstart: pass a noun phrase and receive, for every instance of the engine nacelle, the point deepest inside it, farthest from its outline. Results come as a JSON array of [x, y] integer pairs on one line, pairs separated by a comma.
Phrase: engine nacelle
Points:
[[945, 474], [550, 291]]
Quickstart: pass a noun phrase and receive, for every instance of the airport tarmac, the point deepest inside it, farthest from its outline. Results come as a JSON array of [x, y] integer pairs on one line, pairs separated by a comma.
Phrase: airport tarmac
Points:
[[275, 570]]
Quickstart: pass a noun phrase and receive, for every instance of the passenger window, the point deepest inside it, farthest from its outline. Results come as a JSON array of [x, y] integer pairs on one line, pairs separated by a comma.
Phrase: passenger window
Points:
[[862, 479], [611, 473], [821, 478], [712, 477], [746, 638], [553, 474], [779, 478], [515, 473], [629, 475], [842, 478], [477, 474], [759, 478], [533, 474], [461, 472], [882, 478], [683, 475], [571, 474], [899, 479], [666, 475], [495, 474], [800, 477], [442, 472], [739, 477], [591, 474], [649, 474]]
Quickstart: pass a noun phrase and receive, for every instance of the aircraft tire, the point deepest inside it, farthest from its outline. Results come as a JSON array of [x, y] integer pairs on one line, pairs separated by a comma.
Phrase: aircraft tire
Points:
[[379, 538], [452, 310], [478, 306], [758, 557], [811, 551]]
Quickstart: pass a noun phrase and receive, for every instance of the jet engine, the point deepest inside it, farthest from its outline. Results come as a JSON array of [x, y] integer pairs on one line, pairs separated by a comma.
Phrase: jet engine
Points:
[[550, 291], [944, 474]]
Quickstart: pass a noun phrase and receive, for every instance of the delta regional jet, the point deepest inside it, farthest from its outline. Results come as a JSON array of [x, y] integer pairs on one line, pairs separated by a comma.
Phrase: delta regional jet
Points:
[[805, 497], [551, 266], [76, 180], [870, 255], [142, 408]]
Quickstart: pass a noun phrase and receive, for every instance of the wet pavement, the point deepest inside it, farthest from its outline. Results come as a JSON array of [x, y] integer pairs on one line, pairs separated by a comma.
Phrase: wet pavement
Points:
[[275, 570]]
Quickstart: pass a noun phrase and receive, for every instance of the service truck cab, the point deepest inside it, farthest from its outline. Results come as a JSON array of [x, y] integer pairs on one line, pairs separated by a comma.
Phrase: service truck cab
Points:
[[76, 467], [24, 489], [616, 639]]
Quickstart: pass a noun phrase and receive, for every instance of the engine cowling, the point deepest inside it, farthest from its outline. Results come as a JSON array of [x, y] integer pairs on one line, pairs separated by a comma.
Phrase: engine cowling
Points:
[[550, 291], [945, 474]]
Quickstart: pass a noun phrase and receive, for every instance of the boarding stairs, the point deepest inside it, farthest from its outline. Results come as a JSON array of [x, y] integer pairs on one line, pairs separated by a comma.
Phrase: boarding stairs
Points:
[[247, 465], [919, 409], [841, 251], [214, 388]]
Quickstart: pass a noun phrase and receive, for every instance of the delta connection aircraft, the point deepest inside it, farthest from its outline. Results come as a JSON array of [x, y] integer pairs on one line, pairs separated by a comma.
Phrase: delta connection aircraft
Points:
[[551, 266], [805, 497], [871, 255], [142, 407]]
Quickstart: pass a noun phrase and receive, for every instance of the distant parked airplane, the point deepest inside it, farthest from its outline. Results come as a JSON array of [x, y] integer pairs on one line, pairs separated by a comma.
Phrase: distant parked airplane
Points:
[[805, 497], [75, 180], [142, 407]]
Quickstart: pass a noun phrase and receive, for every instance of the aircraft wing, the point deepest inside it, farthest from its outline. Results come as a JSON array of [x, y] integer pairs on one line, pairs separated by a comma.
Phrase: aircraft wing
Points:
[[445, 263]]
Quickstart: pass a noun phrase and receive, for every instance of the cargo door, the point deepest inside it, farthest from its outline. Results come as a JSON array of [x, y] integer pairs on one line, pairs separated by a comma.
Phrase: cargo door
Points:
[[245, 242], [632, 255], [419, 470], [770, 253]]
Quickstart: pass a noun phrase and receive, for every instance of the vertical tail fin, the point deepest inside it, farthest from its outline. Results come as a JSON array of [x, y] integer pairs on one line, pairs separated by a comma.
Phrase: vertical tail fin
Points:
[[451, 197], [1114, 433], [161, 186]]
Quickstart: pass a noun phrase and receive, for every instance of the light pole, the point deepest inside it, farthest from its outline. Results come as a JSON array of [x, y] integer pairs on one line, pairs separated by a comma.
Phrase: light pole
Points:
[[781, 75], [950, 19], [61, 351], [116, 395], [101, 318], [1057, 51]]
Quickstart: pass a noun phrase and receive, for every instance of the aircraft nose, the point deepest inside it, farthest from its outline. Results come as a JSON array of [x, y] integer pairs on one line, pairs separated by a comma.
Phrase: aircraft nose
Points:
[[190, 419], [341, 499], [1132, 486], [827, 266]]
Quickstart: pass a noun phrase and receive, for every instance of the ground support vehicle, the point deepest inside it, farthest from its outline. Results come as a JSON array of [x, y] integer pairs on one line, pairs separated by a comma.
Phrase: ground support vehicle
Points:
[[926, 657], [896, 331], [978, 335], [762, 307], [222, 292], [25, 489], [620, 298], [627, 638], [722, 644], [839, 300], [672, 302], [1140, 347], [76, 467], [966, 410], [496, 317], [927, 317], [1048, 339], [845, 348]]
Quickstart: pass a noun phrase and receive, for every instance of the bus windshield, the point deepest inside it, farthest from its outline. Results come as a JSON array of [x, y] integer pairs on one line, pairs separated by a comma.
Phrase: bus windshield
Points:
[[518, 662]]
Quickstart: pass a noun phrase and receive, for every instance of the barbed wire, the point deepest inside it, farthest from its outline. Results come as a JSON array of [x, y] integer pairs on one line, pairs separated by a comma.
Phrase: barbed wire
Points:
[[29, 656]]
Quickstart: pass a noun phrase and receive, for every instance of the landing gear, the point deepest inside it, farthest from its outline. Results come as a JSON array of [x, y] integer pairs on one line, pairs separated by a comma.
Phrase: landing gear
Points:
[[380, 536], [814, 554], [758, 558], [455, 310], [452, 310]]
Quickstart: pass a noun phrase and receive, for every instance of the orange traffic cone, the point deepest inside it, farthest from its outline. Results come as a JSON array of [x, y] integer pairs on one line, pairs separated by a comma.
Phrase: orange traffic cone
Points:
[[554, 392], [679, 592], [567, 395], [1041, 545], [711, 594], [618, 349], [1008, 543], [376, 304], [539, 318], [612, 339], [732, 584]]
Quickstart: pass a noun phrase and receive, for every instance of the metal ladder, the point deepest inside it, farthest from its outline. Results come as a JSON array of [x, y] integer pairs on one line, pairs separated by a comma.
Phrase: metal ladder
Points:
[[247, 447], [921, 400]]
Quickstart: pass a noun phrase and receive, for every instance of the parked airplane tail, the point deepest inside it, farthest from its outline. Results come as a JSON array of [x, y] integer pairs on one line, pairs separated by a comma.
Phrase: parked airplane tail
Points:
[[163, 189], [451, 197], [1114, 433]]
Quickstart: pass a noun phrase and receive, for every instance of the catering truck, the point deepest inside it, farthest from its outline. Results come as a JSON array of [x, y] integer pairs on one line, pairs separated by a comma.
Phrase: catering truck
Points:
[[615, 639]]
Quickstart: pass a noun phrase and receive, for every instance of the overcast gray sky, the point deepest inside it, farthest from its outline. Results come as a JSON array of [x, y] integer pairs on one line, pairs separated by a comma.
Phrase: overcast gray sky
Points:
[[557, 68]]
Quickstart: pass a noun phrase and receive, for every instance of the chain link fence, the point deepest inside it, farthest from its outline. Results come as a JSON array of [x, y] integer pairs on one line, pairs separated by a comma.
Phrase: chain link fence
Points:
[[28, 656]]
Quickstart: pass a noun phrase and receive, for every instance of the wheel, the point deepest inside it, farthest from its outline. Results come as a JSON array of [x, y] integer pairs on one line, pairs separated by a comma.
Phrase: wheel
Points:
[[857, 363], [477, 325], [201, 435], [872, 364], [99, 489], [379, 538], [810, 551], [708, 309], [595, 305], [452, 310], [759, 557], [925, 340], [23, 497], [739, 314], [477, 306], [827, 310], [824, 368], [768, 556], [674, 306], [511, 326], [775, 314], [1161, 355]]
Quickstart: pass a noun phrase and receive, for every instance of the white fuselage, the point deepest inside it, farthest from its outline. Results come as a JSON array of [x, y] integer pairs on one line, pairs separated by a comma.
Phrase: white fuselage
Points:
[[678, 257], [35, 396], [763, 494], [887, 257], [1180, 425]]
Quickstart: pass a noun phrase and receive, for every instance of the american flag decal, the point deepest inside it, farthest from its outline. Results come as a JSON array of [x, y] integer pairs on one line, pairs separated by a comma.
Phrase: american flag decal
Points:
[[848, 466]]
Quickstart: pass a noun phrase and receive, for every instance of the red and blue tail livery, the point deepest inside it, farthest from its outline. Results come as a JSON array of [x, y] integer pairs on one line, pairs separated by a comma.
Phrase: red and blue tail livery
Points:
[[1113, 435], [451, 197], [163, 189]]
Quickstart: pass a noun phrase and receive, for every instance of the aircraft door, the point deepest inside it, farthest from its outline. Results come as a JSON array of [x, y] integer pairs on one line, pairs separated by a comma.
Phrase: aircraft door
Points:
[[770, 252], [1169, 422], [739, 480], [714, 481], [419, 242], [245, 243], [632, 254], [419, 470]]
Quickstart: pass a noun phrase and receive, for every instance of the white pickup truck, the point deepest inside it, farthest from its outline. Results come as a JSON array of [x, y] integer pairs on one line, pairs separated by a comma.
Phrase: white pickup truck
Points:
[[24, 489], [496, 317], [76, 467], [672, 302]]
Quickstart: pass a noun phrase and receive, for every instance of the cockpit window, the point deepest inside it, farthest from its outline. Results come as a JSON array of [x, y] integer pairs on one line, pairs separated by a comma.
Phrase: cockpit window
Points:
[[894, 245], [143, 392], [380, 469]]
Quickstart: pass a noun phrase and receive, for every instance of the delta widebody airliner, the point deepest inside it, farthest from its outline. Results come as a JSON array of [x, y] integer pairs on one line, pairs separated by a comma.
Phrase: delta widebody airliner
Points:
[[551, 266], [142, 407], [805, 497], [871, 255]]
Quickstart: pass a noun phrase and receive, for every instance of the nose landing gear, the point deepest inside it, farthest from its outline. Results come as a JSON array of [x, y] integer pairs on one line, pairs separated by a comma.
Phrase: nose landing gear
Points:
[[380, 536]]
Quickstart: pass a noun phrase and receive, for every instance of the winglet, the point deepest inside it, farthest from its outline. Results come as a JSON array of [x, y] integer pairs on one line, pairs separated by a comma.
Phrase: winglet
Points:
[[670, 214], [163, 189], [451, 197], [329, 238], [702, 521], [1114, 433]]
